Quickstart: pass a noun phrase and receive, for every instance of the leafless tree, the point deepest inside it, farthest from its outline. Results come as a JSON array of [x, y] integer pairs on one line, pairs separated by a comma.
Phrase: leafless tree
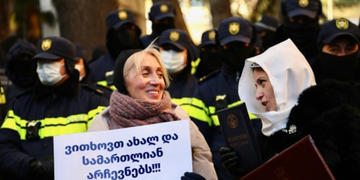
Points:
[[138, 8], [83, 21], [220, 9], [4, 18], [268, 7]]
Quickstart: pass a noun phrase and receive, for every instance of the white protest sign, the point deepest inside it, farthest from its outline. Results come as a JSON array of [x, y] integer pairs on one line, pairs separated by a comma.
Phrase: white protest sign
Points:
[[157, 151]]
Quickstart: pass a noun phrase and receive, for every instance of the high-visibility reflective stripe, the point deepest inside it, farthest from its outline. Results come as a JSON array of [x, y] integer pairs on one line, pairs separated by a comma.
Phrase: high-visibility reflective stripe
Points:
[[251, 116], [50, 131], [235, 104], [9, 121], [215, 118], [93, 113], [199, 104], [199, 114], [2, 95], [184, 102], [194, 65], [195, 108], [181, 101], [53, 126], [104, 83], [193, 111]]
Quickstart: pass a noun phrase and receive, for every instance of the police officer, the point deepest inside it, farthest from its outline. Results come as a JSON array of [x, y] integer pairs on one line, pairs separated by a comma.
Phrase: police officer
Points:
[[84, 73], [122, 34], [210, 59], [301, 25], [176, 50], [20, 69], [338, 51], [57, 105], [265, 30], [162, 16], [219, 90], [329, 112]]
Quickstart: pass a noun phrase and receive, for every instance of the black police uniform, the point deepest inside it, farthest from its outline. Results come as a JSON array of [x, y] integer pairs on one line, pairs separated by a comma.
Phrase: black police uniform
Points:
[[20, 69], [30, 125], [36, 116], [160, 10], [209, 55], [268, 25], [101, 70], [86, 81], [342, 68], [182, 84], [303, 35], [3, 105], [219, 90]]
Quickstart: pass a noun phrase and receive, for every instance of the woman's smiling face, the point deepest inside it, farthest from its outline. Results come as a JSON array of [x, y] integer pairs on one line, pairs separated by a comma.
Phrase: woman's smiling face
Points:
[[149, 83]]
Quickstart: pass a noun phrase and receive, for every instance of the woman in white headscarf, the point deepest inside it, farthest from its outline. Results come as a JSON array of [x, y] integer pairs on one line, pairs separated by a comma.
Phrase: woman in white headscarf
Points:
[[288, 73], [270, 86], [278, 87]]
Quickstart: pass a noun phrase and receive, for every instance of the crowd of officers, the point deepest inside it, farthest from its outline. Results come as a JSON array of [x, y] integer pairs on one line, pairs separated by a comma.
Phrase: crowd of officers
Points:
[[55, 91]]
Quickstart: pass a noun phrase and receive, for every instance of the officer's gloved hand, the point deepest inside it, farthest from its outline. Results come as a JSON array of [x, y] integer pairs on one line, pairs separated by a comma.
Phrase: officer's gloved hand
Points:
[[41, 169], [230, 161], [192, 176]]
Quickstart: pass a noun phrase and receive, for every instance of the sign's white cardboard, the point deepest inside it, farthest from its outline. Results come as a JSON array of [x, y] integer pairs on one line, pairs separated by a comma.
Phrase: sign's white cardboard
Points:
[[158, 151]]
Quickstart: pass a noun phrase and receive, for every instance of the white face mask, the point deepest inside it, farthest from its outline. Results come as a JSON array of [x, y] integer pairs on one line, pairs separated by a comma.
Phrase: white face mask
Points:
[[49, 72], [173, 60]]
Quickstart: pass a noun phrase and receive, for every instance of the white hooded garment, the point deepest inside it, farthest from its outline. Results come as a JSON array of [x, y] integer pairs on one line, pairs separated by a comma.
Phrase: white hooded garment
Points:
[[289, 74]]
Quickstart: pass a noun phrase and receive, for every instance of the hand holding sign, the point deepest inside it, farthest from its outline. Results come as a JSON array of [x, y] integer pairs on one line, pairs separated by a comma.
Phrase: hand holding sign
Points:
[[143, 152]]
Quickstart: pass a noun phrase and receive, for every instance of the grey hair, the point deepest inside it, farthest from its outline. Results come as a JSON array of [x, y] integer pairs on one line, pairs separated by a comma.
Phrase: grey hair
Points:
[[136, 59]]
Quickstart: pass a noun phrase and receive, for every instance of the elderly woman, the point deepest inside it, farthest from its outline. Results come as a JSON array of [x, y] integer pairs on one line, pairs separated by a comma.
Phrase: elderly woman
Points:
[[141, 99], [270, 85]]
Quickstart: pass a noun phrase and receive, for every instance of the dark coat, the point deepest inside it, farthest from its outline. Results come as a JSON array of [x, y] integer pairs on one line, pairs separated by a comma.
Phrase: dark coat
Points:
[[222, 83], [330, 113], [58, 114]]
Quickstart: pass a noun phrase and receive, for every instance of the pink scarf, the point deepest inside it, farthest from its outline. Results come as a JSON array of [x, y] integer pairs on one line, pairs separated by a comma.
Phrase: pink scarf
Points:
[[126, 111]]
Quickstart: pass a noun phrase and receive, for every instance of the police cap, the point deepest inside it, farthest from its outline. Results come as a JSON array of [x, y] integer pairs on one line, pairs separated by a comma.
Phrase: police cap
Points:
[[175, 37], [335, 28], [266, 23], [209, 37], [161, 10], [118, 18], [55, 48], [19, 49], [235, 29], [309, 8]]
